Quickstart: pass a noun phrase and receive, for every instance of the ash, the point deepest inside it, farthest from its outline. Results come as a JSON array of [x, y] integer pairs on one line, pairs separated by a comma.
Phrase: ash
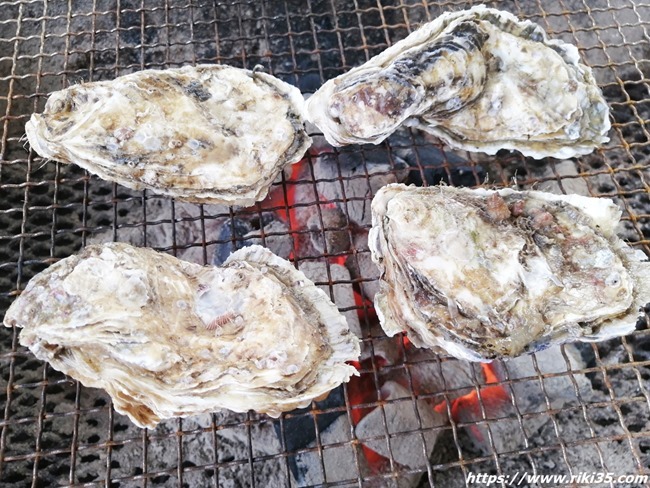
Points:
[[579, 408]]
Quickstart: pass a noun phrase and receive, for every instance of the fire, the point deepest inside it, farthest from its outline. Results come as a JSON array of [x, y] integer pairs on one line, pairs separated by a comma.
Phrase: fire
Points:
[[466, 409], [362, 390], [365, 308], [286, 207]]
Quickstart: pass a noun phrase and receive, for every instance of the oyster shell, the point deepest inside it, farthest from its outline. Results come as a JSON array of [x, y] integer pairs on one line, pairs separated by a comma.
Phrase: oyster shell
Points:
[[484, 274], [479, 79], [204, 134], [167, 338]]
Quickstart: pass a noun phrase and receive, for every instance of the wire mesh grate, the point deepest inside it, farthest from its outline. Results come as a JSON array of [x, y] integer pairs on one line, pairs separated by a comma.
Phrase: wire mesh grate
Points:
[[592, 404]]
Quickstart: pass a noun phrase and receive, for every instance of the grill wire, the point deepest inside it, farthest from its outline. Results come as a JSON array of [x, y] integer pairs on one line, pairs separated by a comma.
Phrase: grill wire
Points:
[[55, 431]]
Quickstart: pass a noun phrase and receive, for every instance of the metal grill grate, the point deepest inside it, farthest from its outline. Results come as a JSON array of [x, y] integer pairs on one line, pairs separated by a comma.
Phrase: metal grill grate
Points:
[[55, 431]]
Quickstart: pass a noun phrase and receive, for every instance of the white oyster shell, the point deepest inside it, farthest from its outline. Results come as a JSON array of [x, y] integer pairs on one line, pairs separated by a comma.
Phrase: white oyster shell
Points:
[[479, 79], [204, 134], [167, 338], [484, 274]]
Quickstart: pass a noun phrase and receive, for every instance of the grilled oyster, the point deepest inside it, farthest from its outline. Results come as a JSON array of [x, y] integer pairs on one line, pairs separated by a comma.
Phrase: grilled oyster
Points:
[[205, 134], [167, 338], [484, 274], [479, 79]]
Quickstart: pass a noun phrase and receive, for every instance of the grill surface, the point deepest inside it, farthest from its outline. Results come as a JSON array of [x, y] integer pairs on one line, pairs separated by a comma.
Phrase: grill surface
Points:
[[55, 431]]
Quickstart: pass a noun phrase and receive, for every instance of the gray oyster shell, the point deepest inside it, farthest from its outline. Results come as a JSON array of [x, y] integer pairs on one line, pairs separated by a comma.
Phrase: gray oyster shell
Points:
[[166, 338], [483, 274], [479, 79], [204, 134]]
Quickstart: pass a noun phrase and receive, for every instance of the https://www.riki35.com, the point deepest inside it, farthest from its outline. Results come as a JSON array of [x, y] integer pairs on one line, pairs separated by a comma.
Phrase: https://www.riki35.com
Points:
[[523, 478]]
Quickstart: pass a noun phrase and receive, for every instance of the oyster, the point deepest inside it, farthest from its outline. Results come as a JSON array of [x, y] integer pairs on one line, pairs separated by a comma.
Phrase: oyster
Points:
[[204, 134], [483, 274], [167, 338], [481, 80]]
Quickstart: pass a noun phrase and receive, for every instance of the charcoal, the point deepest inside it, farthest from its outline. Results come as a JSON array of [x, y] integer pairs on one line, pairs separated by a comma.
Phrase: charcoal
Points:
[[351, 177], [230, 238], [299, 429], [179, 226], [309, 83], [386, 350], [456, 176], [634, 89], [248, 232], [401, 428], [431, 374], [276, 237], [431, 165], [531, 395], [304, 210], [562, 177], [341, 291], [363, 268], [333, 229], [339, 461]]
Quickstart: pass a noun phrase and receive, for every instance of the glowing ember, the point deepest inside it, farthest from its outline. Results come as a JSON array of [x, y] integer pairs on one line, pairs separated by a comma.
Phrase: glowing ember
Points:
[[287, 204], [362, 390], [466, 409]]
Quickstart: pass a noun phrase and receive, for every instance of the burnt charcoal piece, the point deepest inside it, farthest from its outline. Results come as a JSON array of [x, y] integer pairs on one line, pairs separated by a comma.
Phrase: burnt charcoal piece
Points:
[[230, 238], [457, 176], [351, 176], [299, 429], [336, 241], [431, 165], [240, 232], [438, 166]]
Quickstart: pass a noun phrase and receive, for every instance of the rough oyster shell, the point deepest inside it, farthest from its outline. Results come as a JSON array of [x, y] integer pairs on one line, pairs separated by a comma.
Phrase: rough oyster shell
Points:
[[204, 134], [479, 79], [485, 274], [167, 338]]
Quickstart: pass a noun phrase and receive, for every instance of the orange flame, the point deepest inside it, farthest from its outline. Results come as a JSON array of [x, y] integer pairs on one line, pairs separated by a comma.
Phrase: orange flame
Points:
[[362, 391], [286, 209], [466, 409]]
